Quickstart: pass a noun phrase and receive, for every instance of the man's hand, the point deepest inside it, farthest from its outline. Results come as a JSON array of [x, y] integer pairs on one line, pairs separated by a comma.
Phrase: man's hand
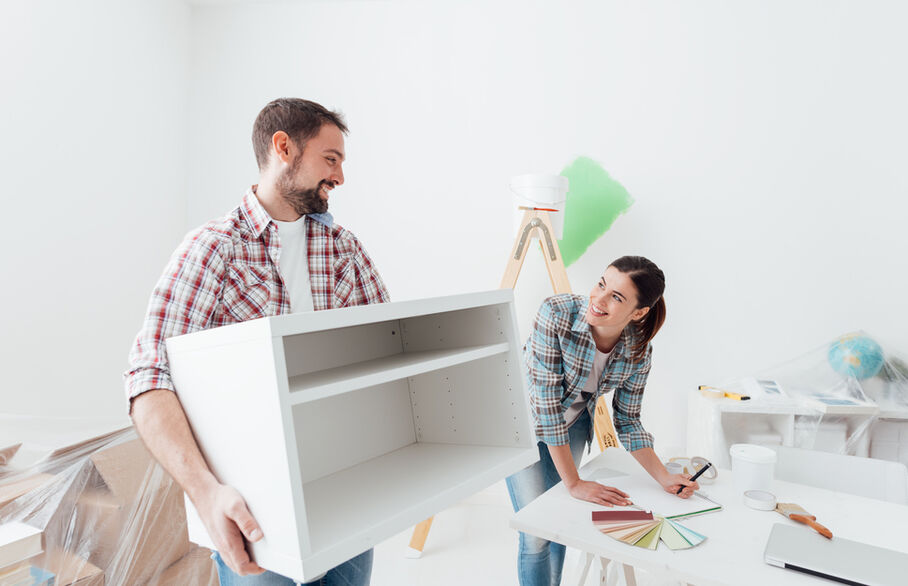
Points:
[[594, 492], [228, 521], [672, 482], [160, 420]]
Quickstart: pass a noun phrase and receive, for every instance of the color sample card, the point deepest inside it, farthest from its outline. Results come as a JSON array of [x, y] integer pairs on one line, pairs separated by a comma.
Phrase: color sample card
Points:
[[642, 529]]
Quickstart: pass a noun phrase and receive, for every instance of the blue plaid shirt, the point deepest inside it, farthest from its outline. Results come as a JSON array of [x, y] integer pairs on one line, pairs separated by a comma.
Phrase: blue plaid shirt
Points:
[[559, 356]]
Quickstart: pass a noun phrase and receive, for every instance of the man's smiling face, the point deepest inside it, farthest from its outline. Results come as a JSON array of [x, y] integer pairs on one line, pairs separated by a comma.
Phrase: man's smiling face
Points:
[[314, 172]]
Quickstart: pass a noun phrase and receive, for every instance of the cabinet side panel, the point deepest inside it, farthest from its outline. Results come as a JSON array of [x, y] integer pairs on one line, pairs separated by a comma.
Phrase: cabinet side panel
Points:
[[452, 329], [343, 430], [326, 349], [477, 403], [230, 395]]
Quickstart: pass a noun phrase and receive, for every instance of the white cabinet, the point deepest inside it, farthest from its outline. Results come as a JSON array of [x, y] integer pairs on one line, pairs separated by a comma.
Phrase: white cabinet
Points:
[[341, 428], [714, 424]]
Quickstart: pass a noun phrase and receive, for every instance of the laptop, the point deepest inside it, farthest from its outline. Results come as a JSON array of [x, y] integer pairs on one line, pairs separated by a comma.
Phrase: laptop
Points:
[[850, 562]]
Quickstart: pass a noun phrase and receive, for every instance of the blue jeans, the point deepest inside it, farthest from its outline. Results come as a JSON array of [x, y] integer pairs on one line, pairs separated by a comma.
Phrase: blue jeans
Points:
[[353, 572], [539, 561]]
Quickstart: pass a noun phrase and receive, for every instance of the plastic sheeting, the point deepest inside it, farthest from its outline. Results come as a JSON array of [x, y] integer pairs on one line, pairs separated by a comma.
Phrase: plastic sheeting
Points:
[[108, 512], [849, 396]]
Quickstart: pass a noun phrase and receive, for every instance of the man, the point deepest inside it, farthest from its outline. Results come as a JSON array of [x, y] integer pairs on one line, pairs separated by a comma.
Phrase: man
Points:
[[277, 252]]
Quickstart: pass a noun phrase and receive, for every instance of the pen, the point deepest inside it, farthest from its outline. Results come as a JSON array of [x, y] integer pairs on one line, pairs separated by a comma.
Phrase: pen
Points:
[[724, 393], [696, 476]]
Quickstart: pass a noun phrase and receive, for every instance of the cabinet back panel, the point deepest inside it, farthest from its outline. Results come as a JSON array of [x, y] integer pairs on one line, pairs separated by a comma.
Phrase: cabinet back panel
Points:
[[313, 351], [337, 432], [477, 403], [487, 324]]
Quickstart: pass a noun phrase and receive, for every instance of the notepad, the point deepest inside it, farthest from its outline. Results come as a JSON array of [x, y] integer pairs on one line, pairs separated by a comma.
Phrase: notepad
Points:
[[646, 494]]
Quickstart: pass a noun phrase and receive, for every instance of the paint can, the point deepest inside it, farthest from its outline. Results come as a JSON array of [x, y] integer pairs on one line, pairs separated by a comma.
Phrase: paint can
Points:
[[752, 466], [541, 191]]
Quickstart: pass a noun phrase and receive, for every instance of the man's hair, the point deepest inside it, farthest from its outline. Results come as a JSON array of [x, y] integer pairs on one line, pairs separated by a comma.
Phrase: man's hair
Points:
[[300, 119]]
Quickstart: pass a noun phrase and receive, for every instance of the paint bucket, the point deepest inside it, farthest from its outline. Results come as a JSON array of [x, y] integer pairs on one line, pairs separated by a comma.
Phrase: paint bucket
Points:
[[541, 191], [752, 466]]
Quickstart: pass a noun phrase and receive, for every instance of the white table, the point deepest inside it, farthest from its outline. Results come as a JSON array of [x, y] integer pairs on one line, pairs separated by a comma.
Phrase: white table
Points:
[[736, 536]]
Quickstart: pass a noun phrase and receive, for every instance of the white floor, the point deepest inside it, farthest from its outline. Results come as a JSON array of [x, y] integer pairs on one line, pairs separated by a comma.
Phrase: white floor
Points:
[[470, 543]]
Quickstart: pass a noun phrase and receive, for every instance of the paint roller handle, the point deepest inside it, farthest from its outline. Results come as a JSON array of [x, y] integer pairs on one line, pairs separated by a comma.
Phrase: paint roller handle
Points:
[[811, 522]]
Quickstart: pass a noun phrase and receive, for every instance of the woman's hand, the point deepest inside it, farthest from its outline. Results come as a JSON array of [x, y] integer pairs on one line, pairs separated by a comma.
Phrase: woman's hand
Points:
[[594, 492], [672, 482]]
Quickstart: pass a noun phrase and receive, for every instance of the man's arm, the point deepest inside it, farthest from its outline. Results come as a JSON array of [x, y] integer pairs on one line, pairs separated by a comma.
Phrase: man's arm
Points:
[[183, 301], [162, 425]]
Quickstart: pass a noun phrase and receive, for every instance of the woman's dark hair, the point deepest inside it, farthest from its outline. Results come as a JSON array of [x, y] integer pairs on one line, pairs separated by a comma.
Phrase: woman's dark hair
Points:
[[650, 283], [300, 119]]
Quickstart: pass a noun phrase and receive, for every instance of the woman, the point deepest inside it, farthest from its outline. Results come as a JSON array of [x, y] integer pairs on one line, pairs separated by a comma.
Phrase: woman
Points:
[[582, 348]]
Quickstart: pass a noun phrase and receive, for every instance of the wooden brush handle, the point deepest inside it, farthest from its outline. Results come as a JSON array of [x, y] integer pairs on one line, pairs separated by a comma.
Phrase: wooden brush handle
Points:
[[809, 521]]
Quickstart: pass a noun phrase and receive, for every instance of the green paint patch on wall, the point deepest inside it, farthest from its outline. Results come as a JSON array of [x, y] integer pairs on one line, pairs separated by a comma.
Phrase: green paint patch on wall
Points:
[[594, 202]]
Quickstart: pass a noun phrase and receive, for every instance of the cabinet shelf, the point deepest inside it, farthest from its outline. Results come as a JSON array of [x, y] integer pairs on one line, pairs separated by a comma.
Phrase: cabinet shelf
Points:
[[343, 379], [351, 505]]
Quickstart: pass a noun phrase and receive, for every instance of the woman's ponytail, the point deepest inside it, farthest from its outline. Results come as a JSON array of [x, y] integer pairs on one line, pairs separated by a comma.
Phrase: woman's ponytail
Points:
[[648, 327], [650, 283]]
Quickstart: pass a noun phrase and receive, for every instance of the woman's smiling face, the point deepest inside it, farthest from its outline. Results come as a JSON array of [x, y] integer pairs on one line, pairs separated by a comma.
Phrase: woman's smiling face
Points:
[[613, 301]]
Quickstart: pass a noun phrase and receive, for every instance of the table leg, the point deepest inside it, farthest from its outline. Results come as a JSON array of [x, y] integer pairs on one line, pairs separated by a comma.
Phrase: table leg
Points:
[[418, 539], [603, 570], [629, 578], [583, 568]]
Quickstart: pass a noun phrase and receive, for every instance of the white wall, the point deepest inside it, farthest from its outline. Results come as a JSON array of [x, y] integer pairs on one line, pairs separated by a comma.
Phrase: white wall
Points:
[[93, 159], [763, 143]]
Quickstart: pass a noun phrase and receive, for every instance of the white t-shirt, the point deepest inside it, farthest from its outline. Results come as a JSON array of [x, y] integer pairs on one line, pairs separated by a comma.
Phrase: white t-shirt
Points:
[[294, 263], [600, 360]]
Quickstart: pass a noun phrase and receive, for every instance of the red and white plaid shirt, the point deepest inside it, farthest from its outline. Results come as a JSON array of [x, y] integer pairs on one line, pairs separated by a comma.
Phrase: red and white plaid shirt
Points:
[[227, 272]]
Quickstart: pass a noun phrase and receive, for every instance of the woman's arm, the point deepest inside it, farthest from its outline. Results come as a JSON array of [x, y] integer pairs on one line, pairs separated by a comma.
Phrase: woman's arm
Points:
[[626, 406], [584, 489], [670, 482]]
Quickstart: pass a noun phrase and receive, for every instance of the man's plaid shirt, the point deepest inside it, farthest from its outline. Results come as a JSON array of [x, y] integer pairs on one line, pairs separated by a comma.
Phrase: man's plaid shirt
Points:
[[559, 356], [227, 272]]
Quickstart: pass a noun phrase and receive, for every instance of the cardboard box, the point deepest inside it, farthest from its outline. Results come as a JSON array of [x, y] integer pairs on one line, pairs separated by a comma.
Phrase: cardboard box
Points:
[[10, 491], [133, 515], [114, 506], [70, 569], [196, 568]]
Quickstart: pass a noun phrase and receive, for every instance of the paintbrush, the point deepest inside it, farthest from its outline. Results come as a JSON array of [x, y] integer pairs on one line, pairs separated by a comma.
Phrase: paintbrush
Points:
[[797, 513]]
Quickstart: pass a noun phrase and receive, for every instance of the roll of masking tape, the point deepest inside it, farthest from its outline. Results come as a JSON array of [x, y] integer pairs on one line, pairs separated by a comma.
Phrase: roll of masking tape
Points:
[[697, 463], [760, 500]]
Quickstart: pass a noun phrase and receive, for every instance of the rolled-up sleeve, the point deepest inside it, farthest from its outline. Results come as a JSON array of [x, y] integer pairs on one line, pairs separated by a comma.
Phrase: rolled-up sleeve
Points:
[[545, 376], [626, 405], [183, 301]]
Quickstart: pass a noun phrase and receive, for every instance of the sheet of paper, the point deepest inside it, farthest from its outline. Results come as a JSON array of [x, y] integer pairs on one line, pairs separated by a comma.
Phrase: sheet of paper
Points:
[[647, 494]]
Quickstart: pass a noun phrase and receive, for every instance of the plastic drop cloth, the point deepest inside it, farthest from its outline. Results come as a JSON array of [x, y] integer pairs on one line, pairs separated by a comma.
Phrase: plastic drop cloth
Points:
[[108, 512], [849, 396]]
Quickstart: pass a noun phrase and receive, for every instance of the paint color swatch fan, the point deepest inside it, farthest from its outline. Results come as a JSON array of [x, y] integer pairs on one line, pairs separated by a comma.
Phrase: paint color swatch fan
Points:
[[643, 529]]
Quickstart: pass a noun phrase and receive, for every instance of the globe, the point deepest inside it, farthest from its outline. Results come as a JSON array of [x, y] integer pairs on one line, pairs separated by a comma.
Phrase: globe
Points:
[[856, 355]]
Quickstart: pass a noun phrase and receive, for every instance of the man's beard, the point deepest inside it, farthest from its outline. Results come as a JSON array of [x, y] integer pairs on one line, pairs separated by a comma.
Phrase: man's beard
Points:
[[307, 201], [303, 201]]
